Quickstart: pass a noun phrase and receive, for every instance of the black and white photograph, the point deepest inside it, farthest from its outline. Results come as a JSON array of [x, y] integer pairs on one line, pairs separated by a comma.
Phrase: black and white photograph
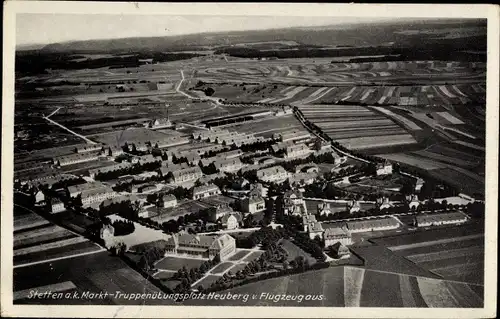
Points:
[[313, 161]]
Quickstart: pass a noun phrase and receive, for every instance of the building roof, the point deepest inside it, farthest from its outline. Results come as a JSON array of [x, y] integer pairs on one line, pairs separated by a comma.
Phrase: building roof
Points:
[[221, 163], [236, 215], [335, 232], [254, 200], [93, 192], [110, 168], [270, 171], [77, 156], [187, 171], [205, 188], [297, 148], [372, 223], [440, 217], [202, 241]]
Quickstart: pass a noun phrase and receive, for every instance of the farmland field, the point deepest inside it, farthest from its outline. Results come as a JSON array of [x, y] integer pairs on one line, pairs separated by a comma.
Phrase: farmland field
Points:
[[95, 273], [294, 251]]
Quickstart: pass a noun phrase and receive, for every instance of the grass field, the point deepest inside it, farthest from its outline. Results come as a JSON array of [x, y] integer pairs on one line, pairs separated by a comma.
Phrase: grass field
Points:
[[220, 268], [238, 255], [176, 263], [294, 251]]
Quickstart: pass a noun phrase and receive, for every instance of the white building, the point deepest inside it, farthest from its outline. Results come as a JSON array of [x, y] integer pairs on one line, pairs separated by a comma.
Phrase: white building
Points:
[[274, 174], [384, 203], [57, 206], [187, 174], [75, 190], [384, 168], [89, 148], [312, 226], [39, 197], [107, 169], [159, 123], [205, 191], [440, 219], [374, 224], [228, 165], [354, 206], [294, 203], [413, 202], [90, 197], [231, 221]]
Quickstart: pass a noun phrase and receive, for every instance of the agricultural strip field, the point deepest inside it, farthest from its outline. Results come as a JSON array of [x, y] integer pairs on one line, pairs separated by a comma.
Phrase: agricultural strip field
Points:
[[355, 287], [412, 160], [268, 126], [93, 273], [294, 251], [357, 127], [466, 181]]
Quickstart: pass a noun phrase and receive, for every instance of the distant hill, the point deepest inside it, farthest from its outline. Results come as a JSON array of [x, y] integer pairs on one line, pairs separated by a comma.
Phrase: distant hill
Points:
[[362, 34]]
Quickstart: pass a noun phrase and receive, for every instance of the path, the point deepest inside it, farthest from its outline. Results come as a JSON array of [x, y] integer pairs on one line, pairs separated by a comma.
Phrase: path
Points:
[[54, 112], [72, 132]]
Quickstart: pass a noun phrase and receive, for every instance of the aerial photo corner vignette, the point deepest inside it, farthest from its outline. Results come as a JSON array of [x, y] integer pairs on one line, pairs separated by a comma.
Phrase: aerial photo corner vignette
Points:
[[229, 160]]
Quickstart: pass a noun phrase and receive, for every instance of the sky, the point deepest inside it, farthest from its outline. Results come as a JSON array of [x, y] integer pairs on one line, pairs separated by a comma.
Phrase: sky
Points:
[[51, 28]]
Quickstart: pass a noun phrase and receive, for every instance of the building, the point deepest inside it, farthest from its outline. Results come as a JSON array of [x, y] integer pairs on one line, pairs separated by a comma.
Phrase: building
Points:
[[89, 148], [98, 195], [285, 110], [113, 151], [57, 206], [312, 226], [293, 203], [335, 235], [293, 136], [170, 141], [340, 251], [160, 123], [274, 174], [112, 168], [107, 232], [279, 147], [374, 224], [205, 191], [138, 147], [169, 201], [168, 167], [146, 159], [227, 165], [297, 150], [384, 168], [219, 211], [119, 199], [439, 219], [324, 209], [384, 203], [253, 204], [419, 184], [413, 202], [354, 206], [231, 221], [201, 246], [39, 197], [320, 145], [76, 158], [189, 174]]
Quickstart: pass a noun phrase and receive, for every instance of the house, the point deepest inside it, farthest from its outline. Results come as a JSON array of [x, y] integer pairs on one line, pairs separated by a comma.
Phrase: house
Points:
[[89, 148], [231, 221], [39, 197], [201, 246], [205, 191], [139, 147], [384, 168], [312, 226], [384, 203], [187, 174], [119, 199], [320, 145], [257, 190], [112, 168], [57, 206], [413, 202], [169, 201], [160, 123], [297, 150], [285, 110], [324, 209], [374, 224], [293, 203], [340, 251], [275, 174], [219, 211], [168, 167], [253, 204], [76, 158], [335, 235], [227, 165], [354, 206], [449, 218], [279, 147], [114, 151]]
